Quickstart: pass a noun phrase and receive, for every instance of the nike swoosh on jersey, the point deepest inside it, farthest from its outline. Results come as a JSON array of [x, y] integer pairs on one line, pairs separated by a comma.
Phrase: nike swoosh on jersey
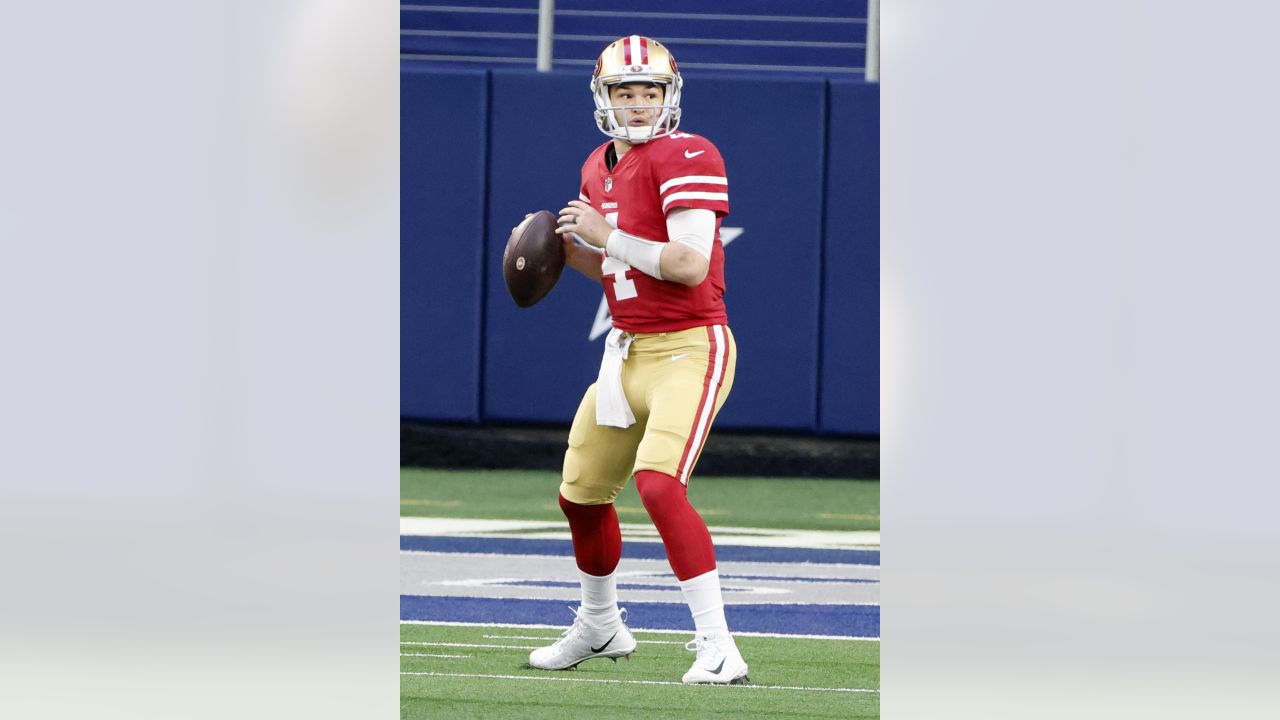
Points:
[[606, 644], [693, 154]]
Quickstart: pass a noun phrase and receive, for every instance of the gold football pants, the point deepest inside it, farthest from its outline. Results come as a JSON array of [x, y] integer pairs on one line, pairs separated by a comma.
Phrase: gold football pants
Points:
[[675, 383]]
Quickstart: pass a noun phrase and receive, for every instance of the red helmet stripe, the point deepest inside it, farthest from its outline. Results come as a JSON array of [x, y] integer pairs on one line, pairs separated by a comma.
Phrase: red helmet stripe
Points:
[[626, 52], [644, 50]]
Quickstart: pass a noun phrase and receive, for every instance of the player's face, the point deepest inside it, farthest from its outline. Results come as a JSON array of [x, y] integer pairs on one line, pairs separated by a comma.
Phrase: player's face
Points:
[[637, 95]]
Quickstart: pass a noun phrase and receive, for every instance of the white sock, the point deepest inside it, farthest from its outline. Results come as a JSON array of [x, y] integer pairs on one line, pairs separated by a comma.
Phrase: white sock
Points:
[[599, 599], [705, 602]]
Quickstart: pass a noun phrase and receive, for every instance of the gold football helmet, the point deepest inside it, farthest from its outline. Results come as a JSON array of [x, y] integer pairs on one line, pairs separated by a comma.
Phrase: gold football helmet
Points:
[[636, 59]]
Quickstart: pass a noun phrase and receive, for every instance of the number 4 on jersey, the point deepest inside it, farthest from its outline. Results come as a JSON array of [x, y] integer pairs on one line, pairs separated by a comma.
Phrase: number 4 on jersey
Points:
[[603, 321], [623, 289]]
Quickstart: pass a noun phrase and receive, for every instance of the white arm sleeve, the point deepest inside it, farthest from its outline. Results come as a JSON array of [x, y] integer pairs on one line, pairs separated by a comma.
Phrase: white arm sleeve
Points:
[[695, 227]]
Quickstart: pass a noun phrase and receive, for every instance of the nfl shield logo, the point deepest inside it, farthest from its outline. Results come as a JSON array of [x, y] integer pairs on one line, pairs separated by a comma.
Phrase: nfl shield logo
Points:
[[608, 184]]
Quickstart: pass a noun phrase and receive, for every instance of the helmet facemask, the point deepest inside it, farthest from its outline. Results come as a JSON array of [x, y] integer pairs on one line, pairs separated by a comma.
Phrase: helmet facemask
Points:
[[653, 66]]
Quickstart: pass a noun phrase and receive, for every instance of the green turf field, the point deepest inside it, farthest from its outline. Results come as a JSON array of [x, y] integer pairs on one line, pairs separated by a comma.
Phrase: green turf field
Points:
[[444, 674], [795, 503], [480, 672]]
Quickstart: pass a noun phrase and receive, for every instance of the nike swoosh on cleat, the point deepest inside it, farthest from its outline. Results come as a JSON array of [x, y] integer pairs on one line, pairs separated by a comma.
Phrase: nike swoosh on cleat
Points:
[[606, 644], [718, 667]]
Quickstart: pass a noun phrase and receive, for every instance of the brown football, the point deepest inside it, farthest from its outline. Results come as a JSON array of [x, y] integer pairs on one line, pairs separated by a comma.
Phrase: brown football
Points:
[[533, 259]]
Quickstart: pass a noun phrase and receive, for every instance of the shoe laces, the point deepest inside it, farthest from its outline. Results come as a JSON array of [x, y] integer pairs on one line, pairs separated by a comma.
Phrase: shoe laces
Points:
[[573, 629], [579, 624], [703, 646]]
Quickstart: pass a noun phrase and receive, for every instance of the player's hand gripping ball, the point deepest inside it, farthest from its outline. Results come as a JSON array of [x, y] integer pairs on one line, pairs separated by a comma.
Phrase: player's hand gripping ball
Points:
[[533, 259]]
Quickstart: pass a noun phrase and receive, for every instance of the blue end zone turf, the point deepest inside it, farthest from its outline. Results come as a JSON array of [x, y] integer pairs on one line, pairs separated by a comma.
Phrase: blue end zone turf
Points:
[[861, 621], [575, 584], [639, 550]]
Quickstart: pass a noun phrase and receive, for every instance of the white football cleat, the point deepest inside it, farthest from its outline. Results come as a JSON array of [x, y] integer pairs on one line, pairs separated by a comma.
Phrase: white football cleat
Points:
[[718, 660], [583, 642]]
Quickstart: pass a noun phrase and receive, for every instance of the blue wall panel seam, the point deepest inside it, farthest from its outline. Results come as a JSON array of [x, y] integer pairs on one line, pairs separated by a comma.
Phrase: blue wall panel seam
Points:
[[483, 290], [824, 160]]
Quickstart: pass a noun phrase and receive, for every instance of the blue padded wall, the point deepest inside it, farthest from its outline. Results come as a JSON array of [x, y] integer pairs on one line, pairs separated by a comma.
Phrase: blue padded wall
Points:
[[850, 397], [538, 360], [770, 133], [443, 137], [481, 148]]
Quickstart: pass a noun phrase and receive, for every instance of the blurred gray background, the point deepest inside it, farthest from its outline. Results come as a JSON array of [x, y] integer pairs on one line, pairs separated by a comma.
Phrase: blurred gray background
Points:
[[198, 219]]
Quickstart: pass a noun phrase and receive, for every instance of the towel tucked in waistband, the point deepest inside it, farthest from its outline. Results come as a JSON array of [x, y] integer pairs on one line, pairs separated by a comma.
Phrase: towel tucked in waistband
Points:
[[612, 407]]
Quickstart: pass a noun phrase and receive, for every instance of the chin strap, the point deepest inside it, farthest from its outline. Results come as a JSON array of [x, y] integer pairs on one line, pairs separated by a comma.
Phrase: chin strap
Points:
[[666, 125]]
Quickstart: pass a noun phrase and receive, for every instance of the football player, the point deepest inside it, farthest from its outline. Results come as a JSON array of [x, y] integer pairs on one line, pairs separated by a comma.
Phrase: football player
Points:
[[648, 214]]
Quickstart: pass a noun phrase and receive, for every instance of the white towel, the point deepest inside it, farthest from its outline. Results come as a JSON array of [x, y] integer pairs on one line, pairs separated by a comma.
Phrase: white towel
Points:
[[612, 407]]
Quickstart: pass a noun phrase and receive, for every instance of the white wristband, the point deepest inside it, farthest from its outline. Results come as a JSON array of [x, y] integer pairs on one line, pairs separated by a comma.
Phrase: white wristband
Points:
[[643, 255], [583, 243]]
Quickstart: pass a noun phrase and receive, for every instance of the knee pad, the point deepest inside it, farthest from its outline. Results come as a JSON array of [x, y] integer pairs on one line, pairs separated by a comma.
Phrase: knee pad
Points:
[[658, 490]]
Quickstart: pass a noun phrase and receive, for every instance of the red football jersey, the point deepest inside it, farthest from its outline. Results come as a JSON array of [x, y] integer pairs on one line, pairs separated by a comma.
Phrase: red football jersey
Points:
[[652, 179]]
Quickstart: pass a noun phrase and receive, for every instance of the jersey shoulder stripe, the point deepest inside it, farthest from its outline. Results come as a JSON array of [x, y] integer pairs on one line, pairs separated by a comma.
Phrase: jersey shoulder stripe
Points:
[[693, 180], [685, 197]]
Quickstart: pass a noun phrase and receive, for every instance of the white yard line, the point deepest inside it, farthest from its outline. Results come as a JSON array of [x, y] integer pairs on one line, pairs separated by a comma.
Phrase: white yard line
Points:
[[550, 637], [635, 682], [469, 645], [640, 532], [432, 655], [449, 623]]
